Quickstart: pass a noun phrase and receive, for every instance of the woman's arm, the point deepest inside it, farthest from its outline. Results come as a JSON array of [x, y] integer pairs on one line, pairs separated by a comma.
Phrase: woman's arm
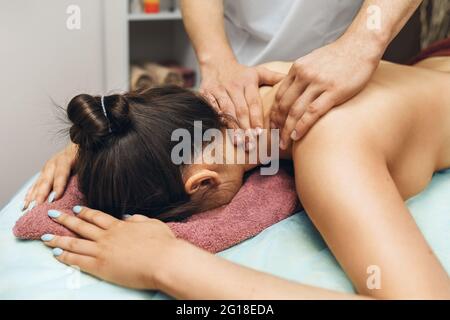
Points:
[[205, 276], [346, 188], [143, 253]]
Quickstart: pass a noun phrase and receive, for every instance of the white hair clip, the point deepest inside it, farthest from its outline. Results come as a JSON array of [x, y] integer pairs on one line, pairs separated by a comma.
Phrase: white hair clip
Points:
[[102, 99]]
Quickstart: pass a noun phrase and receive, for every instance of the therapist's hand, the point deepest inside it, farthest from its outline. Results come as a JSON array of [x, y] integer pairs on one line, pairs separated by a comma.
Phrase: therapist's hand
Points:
[[232, 88], [316, 83], [128, 253], [53, 178]]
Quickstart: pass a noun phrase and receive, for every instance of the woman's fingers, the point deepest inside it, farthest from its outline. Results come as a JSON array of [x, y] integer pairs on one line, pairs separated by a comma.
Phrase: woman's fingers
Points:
[[83, 228], [84, 263], [74, 245], [98, 218]]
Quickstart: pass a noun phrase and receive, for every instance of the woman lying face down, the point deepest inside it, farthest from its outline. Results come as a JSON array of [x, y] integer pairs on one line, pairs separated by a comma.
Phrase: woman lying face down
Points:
[[353, 171], [124, 163]]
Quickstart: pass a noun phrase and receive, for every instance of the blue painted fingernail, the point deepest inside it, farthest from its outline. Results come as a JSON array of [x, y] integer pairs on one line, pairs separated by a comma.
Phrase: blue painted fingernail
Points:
[[31, 205], [54, 213], [57, 251], [51, 197], [77, 209], [47, 237]]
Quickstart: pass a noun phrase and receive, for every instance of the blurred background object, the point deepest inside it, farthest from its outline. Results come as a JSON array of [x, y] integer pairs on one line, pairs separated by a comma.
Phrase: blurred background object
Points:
[[435, 21], [136, 6], [153, 74]]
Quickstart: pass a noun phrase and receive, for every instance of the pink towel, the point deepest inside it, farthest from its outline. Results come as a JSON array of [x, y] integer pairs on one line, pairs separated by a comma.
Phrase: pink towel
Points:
[[261, 202]]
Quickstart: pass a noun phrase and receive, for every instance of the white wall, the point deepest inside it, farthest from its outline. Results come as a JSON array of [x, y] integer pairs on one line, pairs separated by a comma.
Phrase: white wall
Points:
[[41, 60]]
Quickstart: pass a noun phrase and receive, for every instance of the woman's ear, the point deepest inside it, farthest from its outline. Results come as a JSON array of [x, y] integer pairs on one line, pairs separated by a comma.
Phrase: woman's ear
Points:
[[203, 178]]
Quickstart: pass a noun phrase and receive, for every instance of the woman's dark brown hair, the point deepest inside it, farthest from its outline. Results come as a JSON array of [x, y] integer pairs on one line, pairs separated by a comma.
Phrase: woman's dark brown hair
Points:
[[124, 161]]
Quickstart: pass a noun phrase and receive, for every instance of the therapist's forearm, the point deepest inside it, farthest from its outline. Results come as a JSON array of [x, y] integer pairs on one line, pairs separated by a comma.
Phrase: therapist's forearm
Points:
[[191, 273], [393, 14], [204, 23]]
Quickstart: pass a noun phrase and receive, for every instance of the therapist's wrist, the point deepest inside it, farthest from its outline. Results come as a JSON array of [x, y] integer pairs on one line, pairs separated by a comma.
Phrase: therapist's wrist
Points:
[[213, 61], [370, 43], [215, 68], [369, 46]]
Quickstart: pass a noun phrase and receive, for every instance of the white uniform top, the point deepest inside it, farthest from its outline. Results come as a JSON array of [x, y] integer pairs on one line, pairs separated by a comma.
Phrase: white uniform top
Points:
[[268, 30]]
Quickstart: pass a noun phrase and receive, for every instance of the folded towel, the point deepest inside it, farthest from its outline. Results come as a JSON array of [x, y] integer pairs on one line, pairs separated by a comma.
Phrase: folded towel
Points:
[[261, 202]]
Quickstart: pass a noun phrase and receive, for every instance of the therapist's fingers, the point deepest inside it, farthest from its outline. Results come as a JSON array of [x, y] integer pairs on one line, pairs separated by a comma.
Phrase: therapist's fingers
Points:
[[275, 113], [285, 84], [60, 179], [44, 184], [313, 113], [255, 108], [74, 245], [28, 199], [268, 77], [211, 99], [98, 218], [241, 108], [84, 229], [296, 112], [224, 101], [287, 101]]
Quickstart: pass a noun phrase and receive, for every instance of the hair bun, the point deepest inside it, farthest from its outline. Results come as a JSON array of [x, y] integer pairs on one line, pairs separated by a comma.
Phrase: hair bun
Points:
[[90, 127]]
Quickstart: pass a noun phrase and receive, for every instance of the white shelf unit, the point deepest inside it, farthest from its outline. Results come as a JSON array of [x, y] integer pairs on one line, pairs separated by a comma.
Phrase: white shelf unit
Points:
[[136, 38]]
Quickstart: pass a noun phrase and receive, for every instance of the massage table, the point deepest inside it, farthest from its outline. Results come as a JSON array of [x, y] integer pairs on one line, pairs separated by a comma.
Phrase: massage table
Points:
[[291, 249]]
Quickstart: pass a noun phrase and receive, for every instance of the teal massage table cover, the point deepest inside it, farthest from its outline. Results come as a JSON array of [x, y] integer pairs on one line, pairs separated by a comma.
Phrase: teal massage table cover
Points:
[[292, 249]]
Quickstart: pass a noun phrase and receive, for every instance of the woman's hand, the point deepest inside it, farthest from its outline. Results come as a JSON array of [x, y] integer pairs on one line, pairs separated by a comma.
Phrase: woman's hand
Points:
[[53, 178], [233, 89], [143, 253], [128, 253], [316, 83]]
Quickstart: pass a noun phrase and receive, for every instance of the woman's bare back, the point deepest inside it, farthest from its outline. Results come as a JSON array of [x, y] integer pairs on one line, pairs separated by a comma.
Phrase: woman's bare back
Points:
[[356, 166], [404, 112]]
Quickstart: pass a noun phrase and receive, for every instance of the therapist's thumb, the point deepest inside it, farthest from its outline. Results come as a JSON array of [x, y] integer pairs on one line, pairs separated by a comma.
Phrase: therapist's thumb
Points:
[[269, 77]]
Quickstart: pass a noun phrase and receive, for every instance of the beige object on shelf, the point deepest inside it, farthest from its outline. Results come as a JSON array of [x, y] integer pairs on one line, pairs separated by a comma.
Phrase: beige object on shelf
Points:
[[153, 74]]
